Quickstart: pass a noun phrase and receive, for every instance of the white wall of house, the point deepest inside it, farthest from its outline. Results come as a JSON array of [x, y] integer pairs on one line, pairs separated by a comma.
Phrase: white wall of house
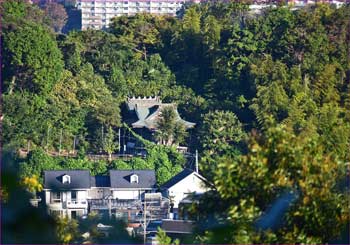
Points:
[[191, 184], [82, 195], [64, 195], [99, 193], [127, 194], [47, 197], [65, 206]]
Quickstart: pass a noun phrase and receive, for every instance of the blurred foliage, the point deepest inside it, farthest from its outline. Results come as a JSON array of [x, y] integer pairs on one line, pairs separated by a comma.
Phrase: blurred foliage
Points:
[[162, 238], [32, 184], [67, 230], [279, 161]]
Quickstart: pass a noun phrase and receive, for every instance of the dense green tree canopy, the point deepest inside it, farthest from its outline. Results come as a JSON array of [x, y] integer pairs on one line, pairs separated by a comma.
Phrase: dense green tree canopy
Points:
[[33, 60], [269, 93]]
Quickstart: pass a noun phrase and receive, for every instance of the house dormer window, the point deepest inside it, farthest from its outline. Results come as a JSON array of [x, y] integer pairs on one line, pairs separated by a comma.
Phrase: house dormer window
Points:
[[134, 179], [66, 179]]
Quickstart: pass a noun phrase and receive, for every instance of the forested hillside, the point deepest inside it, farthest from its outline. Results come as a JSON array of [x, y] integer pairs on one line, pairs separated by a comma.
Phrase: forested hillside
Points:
[[269, 92]]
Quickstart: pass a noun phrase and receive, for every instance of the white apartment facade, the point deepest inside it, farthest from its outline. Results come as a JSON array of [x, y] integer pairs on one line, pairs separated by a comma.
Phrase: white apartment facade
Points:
[[97, 14]]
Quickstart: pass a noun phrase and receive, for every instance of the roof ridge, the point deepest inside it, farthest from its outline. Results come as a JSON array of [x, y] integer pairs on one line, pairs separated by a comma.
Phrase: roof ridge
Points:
[[66, 170], [132, 170]]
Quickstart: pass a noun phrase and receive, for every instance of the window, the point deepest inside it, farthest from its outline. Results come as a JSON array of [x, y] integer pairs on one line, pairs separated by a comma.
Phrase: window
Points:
[[73, 195], [55, 197], [134, 179], [66, 179], [74, 214]]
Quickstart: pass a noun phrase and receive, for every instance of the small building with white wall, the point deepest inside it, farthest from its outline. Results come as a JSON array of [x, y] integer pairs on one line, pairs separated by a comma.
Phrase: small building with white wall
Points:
[[182, 185]]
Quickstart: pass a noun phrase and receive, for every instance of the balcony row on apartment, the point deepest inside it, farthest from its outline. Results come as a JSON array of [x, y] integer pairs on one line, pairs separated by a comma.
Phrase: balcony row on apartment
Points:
[[136, 4], [125, 193], [122, 10]]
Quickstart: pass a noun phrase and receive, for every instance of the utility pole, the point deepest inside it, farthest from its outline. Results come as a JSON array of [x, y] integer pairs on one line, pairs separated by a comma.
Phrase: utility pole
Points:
[[150, 208], [119, 140], [59, 150], [102, 137], [74, 145], [110, 207], [144, 221], [47, 138]]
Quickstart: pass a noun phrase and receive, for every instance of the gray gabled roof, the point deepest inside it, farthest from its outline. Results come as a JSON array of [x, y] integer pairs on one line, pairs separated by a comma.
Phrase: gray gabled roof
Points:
[[80, 179], [180, 176], [121, 178]]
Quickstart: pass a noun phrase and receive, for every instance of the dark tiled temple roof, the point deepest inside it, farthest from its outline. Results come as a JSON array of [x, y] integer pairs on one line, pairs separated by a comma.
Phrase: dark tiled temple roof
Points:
[[147, 111]]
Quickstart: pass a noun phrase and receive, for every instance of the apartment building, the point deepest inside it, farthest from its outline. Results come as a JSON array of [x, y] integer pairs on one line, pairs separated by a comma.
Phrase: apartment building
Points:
[[97, 14]]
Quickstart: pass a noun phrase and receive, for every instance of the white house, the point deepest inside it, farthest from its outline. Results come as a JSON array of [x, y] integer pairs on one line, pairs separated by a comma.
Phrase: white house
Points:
[[74, 193], [182, 185], [66, 192]]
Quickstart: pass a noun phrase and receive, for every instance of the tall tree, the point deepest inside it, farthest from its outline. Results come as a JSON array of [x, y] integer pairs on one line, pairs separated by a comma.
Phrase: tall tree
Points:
[[137, 32], [220, 132], [169, 129], [57, 15], [109, 144], [33, 60]]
